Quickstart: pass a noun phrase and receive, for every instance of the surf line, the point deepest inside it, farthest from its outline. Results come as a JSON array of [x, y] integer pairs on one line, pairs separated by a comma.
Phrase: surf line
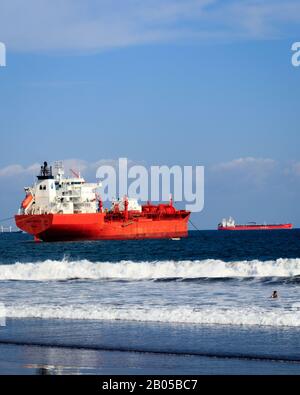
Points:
[[249, 357]]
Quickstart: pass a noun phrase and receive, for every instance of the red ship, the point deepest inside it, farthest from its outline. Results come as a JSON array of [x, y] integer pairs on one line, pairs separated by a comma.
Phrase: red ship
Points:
[[231, 225], [69, 209]]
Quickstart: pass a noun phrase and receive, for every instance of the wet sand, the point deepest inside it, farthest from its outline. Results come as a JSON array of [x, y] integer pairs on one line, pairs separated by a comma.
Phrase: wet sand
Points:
[[41, 347]]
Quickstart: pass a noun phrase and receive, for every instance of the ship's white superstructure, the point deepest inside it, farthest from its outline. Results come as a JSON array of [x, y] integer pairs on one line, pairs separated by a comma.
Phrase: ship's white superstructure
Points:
[[228, 223], [59, 194]]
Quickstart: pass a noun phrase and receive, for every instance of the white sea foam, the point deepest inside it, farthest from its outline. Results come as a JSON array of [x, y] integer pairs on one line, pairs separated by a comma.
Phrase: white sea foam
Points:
[[209, 268], [185, 314]]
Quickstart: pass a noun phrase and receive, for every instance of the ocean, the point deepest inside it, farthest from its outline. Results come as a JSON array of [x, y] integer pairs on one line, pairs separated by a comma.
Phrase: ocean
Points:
[[199, 305]]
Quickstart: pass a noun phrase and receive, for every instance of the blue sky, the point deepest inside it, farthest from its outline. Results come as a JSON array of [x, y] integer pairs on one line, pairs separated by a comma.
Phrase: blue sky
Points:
[[160, 82]]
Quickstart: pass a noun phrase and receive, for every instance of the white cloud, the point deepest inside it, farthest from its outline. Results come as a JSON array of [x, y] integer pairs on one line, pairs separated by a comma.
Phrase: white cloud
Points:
[[39, 25], [16, 170], [247, 163], [293, 169], [296, 168], [78, 165], [249, 170], [264, 19], [80, 25]]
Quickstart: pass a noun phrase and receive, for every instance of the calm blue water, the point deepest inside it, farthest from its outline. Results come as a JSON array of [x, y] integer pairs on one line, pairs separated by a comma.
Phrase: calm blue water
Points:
[[198, 305]]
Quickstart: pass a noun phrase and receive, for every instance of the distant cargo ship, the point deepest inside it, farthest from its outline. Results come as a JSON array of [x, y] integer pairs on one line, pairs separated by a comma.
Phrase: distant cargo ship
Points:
[[229, 224], [9, 229], [59, 208]]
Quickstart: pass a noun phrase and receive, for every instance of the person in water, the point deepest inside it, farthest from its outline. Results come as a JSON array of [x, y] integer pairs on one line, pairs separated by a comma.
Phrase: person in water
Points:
[[274, 295]]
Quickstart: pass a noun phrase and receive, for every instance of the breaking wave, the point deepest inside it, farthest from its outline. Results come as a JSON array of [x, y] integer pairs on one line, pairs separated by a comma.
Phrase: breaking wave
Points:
[[51, 270], [185, 315]]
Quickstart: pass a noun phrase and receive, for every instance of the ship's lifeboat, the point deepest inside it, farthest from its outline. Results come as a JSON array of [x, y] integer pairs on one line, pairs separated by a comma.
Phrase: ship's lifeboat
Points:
[[26, 202]]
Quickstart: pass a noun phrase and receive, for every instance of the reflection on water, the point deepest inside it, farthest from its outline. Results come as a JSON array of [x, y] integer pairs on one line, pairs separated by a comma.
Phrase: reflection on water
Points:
[[50, 370]]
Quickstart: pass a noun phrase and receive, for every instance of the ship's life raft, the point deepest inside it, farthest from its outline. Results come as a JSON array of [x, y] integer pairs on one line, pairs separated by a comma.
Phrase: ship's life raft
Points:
[[26, 202]]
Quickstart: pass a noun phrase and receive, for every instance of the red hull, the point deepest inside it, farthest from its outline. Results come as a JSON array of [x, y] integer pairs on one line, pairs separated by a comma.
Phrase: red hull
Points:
[[256, 227], [100, 226]]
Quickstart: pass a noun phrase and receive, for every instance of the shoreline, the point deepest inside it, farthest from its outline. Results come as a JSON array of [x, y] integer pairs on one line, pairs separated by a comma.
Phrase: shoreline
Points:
[[39, 346], [47, 360]]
